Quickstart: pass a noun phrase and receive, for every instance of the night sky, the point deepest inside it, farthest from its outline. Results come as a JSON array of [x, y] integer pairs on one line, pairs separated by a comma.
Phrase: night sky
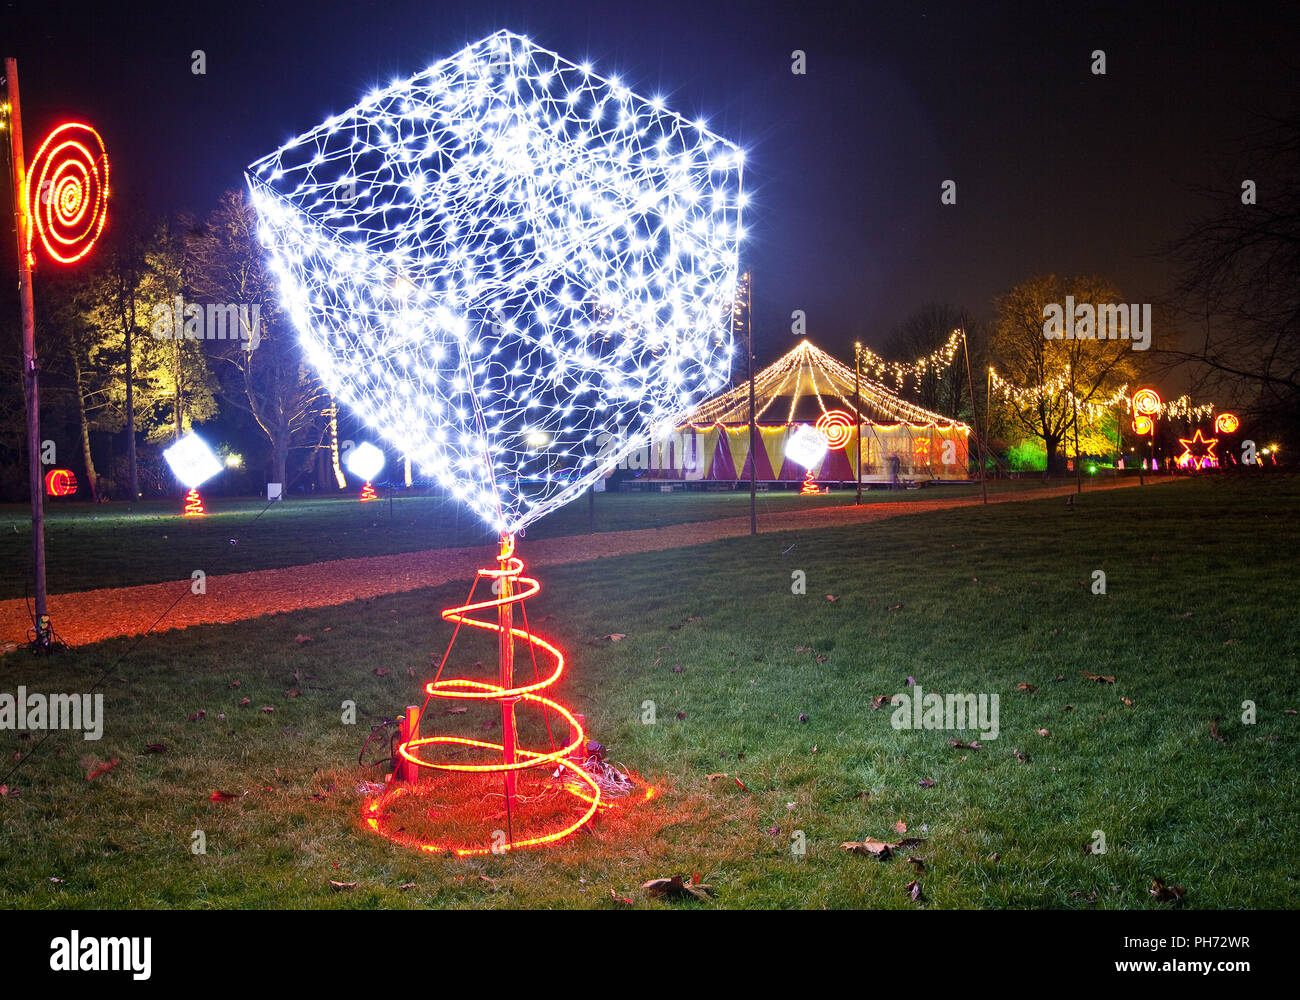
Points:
[[1057, 169]]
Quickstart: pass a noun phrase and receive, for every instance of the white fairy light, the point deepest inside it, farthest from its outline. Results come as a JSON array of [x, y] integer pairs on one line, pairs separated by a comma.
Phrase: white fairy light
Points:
[[503, 248], [364, 461], [806, 446], [192, 461]]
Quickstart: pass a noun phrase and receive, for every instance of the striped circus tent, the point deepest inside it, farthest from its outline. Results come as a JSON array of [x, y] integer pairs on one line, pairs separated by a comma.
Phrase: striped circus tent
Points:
[[894, 440]]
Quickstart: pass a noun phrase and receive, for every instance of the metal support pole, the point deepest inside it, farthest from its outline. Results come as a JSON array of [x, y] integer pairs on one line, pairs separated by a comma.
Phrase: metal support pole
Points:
[[31, 365], [753, 421], [505, 619], [979, 438], [857, 411]]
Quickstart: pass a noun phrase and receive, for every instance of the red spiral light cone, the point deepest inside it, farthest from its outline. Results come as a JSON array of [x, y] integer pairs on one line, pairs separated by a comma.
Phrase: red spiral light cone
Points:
[[194, 504], [513, 588], [368, 493]]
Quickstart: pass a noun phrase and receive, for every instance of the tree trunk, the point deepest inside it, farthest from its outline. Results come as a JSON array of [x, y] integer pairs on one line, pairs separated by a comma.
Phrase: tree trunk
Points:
[[280, 458], [129, 329], [92, 480], [1053, 445]]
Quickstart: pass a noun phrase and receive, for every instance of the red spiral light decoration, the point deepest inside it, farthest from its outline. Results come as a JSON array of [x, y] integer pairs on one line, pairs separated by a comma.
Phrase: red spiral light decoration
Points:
[[60, 483], [1227, 423], [1142, 424], [67, 193], [194, 504], [837, 427], [514, 589], [368, 493], [1146, 402]]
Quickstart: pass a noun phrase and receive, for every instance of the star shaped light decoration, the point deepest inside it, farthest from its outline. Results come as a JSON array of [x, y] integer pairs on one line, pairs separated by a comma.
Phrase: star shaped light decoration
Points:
[[515, 271], [1198, 459]]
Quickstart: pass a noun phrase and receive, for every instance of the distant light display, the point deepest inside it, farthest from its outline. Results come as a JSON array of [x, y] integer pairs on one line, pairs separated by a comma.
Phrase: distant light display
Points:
[[60, 483], [507, 248], [1198, 452], [1146, 402], [806, 446], [365, 461], [837, 427], [192, 461], [67, 193]]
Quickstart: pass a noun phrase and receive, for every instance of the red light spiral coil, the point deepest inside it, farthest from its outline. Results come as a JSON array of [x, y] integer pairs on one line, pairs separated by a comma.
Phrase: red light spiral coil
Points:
[[1146, 402], [515, 589], [67, 193], [837, 427]]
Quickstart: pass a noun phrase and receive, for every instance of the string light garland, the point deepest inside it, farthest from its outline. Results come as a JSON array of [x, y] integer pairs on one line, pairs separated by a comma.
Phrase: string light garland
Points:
[[1058, 388], [67, 193], [937, 362], [506, 245]]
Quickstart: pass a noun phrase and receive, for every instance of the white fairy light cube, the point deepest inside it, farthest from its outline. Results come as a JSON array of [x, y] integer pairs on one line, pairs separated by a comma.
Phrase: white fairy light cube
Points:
[[192, 461], [365, 461], [806, 446], [506, 249]]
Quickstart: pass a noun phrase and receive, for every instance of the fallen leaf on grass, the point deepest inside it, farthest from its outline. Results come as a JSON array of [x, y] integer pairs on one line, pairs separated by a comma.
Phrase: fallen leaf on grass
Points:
[[972, 745], [900, 827], [822, 657], [880, 700], [102, 768], [1022, 686], [1214, 731], [677, 887], [832, 598], [1289, 711], [615, 636], [267, 708], [155, 748], [927, 783], [407, 885], [893, 607], [1126, 701], [199, 716], [1044, 733], [300, 639], [224, 796], [740, 784], [233, 684], [1099, 678], [379, 672], [6, 791], [292, 693], [914, 890], [619, 899], [245, 701], [341, 886], [1019, 756], [920, 865], [1167, 893], [455, 710], [879, 848]]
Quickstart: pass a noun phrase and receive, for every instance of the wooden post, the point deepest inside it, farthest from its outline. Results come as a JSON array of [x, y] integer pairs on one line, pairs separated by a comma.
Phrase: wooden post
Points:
[[31, 369], [409, 729]]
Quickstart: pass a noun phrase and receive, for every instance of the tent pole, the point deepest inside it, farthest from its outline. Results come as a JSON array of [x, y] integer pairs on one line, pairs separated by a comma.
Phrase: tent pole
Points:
[[857, 411], [753, 423], [979, 438]]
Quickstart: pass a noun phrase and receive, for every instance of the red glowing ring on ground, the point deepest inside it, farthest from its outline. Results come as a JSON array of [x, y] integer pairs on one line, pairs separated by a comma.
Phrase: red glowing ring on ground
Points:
[[1146, 402], [1227, 423], [60, 483], [67, 193], [520, 589], [837, 427]]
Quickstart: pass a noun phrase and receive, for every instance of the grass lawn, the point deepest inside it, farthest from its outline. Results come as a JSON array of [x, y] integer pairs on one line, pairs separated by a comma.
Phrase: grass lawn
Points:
[[1199, 616], [117, 545]]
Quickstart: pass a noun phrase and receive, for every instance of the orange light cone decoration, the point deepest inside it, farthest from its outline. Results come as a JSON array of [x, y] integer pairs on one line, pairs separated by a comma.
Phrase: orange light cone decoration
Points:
[[368, 493], [513, 588], [809, 486], [194, 504]]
